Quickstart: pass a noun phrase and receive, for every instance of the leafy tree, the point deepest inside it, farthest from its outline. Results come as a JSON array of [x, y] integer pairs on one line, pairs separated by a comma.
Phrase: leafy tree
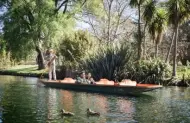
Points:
[[74, 48], [5, 56], [37, 24], [28, 25], [2, 46]]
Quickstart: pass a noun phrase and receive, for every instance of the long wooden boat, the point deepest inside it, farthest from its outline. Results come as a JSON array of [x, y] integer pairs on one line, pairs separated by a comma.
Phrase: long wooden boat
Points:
[[100, 88]]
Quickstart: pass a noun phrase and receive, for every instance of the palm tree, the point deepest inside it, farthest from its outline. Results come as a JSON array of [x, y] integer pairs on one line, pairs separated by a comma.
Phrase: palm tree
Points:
[[149, 10], [161, 22], [138, 3], [156, 22], [178, 12]]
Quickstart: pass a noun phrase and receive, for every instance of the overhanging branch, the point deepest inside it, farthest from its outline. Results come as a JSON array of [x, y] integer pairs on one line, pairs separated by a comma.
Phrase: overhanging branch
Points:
[[64, 2]]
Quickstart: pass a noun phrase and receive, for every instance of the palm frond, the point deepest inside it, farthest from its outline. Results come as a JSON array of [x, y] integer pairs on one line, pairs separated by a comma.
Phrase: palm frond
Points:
[[161, 20], [133, 3], [149, 10], [178, 10]]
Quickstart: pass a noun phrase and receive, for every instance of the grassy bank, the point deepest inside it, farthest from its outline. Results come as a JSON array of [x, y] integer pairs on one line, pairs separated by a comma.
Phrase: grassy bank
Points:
[[182, 79], [24, 70]]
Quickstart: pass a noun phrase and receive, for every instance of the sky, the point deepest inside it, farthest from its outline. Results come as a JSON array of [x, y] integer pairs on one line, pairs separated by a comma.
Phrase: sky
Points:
[[2, 10]]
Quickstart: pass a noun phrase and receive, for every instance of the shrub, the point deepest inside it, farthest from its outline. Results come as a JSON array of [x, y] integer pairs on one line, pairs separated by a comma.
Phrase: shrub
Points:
[[74, 48], [107, 61], [114, 61], [147, 71]]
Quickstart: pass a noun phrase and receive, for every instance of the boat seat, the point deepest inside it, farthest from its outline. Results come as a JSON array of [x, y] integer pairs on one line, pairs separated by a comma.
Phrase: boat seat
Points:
[[68, 80], [128, 82], [105, 82]]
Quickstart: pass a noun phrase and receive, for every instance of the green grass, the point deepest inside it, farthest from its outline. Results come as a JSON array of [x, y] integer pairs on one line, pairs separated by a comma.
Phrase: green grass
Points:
[[26, 69]]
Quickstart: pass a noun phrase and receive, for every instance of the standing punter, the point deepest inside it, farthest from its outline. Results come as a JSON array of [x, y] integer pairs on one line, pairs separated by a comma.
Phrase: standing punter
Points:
[[51, 63]]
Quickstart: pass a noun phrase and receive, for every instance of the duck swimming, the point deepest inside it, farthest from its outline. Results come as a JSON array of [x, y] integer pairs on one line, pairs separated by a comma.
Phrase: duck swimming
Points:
[[65, 113], [92, 113]]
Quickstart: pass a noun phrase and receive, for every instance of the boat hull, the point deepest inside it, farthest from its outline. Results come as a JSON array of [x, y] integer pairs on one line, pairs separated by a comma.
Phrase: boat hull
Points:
[[110, 89]]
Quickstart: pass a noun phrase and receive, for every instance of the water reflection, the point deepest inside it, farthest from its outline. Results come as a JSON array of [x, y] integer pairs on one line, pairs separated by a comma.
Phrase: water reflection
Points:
[[1, 113], [67, 100], [117, 107], [52, 104], [23, 101], [167, 106], [125, 106]]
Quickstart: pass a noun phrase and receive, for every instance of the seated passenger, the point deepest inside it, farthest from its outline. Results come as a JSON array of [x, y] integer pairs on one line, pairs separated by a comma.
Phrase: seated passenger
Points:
[[90, 79], [82, 79]]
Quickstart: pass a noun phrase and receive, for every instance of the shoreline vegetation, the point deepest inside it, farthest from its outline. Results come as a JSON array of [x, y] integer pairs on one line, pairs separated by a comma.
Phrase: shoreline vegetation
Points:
[[24, 70], [183, 78]]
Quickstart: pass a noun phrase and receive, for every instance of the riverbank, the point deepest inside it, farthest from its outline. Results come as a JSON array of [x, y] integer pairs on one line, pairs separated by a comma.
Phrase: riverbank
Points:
[[183, 77], [183, 73], [24, 70]]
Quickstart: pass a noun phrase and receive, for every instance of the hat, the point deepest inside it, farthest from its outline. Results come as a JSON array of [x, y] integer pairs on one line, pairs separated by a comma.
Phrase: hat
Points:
[[82, 72], [51, 51]]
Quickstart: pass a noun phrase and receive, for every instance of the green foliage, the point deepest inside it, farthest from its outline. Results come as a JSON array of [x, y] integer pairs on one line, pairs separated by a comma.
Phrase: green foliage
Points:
[[147, 71], [183, 70], [108, 60], [178, 11], [5, 56], [32, 23], [2, 46], [149, 10], [156, 20], [75, 47], [116, 62], [93, 6], [39, 23]]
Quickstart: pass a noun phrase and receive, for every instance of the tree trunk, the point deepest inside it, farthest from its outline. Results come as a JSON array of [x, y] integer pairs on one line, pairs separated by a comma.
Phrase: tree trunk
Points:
[[40, 58], [156, 50], [171, 44], [139, 34], [144, 53], [175, 51], [109, 21]]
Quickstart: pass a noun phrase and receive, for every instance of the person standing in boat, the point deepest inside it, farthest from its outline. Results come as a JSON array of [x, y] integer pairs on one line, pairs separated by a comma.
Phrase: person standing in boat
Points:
[[82, 79], [51, 63]]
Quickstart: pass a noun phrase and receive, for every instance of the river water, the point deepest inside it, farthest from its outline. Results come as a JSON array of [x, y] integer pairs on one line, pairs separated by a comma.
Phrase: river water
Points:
[[25, 100]]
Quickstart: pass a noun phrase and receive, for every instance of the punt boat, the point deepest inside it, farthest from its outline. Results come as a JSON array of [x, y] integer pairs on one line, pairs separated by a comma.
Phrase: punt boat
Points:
[[101, 87]]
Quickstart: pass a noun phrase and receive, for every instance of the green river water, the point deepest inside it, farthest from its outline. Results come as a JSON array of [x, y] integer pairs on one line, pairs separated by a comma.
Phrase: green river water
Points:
[[25, 100]]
